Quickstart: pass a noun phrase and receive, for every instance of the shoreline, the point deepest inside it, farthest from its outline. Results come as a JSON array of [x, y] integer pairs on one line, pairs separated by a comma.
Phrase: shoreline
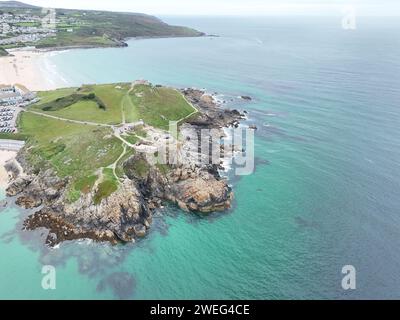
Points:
[[29, 67], [5, 156], [26, 65]]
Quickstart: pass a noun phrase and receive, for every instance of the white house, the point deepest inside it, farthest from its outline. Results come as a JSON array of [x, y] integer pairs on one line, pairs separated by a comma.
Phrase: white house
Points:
[[5, 88], [15, 94], [10, 97], [24, 92]]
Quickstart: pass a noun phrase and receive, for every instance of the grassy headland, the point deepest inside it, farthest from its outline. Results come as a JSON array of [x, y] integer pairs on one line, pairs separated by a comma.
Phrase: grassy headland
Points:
[[73, 131], [99, 28]]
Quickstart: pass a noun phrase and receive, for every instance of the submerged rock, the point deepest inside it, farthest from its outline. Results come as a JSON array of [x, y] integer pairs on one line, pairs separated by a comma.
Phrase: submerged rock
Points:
[[246, 98], [140, 230], [122, 284], [3, 204]]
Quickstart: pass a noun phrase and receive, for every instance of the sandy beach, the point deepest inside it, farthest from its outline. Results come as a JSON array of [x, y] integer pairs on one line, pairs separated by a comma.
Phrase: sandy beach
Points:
[[5, 156], [26, 67]]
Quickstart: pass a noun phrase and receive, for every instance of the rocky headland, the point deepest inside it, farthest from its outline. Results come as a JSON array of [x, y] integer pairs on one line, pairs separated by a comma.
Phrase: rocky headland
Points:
[[193, 184]]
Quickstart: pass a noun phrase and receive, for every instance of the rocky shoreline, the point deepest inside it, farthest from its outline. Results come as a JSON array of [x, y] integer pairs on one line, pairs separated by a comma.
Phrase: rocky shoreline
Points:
[[127, 214]]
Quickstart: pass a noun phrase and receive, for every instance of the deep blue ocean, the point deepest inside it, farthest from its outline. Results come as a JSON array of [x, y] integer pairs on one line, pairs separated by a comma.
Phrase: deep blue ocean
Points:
[[325, 192]]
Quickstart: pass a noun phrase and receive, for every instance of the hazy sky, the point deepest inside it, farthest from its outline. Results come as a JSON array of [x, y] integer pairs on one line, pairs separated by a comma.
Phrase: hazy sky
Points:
[[231, 7]]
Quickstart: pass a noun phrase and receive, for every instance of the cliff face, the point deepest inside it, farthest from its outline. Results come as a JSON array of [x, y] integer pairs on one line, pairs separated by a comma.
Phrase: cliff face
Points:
[[126, 214], [123, 216]]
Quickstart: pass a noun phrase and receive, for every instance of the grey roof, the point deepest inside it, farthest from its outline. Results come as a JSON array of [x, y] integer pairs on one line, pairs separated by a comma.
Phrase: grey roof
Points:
[[6, 95]]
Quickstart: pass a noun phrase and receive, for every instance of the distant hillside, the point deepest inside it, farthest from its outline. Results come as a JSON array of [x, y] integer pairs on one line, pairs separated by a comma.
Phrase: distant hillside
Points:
[[15, 4], [90, 28]]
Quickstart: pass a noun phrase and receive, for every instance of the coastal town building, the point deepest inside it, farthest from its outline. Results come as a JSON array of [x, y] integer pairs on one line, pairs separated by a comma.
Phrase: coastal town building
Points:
[[5, 88], [11, 95], [22, 28], [10, 98], [5, 29], [25, 93], [141, 82]]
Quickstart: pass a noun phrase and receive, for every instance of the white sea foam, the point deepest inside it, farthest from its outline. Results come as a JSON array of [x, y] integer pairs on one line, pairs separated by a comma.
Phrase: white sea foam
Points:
[[227, 161], [53, 76]]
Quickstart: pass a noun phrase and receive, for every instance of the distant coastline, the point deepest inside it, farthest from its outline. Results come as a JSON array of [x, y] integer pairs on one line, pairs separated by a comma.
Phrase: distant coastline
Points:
[[74, 28], [29, 65]]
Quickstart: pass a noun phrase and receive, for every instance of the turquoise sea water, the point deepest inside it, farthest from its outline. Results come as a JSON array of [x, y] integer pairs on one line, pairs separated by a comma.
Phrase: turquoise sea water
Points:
[[325, 193]]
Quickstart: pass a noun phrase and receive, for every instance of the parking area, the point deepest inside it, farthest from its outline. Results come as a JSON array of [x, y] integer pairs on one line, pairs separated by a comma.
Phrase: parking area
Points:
[[8, 119]]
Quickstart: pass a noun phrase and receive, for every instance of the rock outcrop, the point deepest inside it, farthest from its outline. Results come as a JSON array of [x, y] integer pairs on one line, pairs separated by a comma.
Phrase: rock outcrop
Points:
[[3, 204], [18, 186], [61, 230], [126, 214], [116, 219], [28, 202], [120, 213], [192, 188], [204, 194], [211, 115]]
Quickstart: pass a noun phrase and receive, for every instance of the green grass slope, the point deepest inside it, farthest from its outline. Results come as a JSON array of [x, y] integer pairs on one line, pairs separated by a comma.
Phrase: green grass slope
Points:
[[157, 106], [108, 103], [71, 150], [87, 150]]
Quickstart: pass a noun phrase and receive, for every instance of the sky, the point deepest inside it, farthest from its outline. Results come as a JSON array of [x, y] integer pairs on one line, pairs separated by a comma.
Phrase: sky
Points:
[[231, 7]]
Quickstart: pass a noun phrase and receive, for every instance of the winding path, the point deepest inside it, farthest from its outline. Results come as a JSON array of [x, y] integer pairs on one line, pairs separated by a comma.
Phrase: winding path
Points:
[[114, 165], [115, 129], [190, 104], [70, 120]]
